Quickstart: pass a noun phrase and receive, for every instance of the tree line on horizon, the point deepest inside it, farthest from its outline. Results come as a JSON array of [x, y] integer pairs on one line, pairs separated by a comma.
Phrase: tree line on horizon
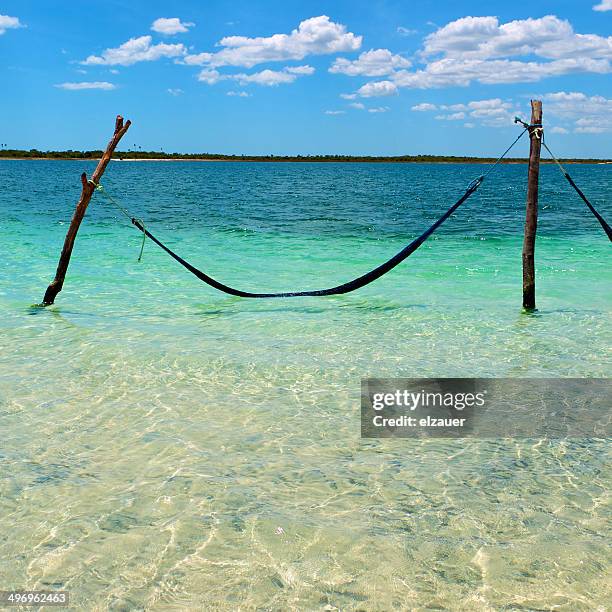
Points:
[[121, 155]]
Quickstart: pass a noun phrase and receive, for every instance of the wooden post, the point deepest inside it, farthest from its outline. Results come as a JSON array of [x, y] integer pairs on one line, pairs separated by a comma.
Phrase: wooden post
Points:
[[531, 213], [86, 192]]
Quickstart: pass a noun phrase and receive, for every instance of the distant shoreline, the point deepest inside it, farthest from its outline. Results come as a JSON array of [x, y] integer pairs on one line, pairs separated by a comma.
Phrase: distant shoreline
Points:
[[314, 159], [160, 156]]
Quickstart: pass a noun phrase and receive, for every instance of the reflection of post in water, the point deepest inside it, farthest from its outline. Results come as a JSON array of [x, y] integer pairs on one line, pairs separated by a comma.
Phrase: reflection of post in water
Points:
[[524, 356], [35, 309]]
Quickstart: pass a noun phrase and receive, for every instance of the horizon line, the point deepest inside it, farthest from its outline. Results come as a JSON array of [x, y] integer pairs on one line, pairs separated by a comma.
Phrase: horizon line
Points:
[[90, 155]]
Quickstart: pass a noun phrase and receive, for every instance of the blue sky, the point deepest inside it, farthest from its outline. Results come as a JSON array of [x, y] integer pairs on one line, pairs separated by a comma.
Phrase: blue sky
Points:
[[373, 77]]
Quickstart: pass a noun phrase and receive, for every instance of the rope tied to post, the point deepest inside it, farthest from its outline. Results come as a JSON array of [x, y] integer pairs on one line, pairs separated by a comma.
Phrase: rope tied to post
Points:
[[537, 129], [99, 187]]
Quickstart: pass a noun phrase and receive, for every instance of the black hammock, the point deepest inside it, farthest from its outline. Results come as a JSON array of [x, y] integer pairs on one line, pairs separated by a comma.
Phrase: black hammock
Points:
[[356, 283], [377, 272]]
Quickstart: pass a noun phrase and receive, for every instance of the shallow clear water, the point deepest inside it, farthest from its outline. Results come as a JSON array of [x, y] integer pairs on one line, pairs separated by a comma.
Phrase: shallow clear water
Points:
[[166, 446]]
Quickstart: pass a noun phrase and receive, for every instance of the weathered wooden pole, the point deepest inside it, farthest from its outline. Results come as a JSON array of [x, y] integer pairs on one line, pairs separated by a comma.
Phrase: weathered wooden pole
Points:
[[531, 213], [87, 190]]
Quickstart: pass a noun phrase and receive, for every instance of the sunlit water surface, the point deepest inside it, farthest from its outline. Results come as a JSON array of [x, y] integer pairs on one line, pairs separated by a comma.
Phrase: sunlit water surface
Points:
[[168, 447]]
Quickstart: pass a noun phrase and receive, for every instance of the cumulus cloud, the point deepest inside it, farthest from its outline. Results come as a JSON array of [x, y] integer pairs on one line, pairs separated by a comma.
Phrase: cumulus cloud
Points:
[[238, 94], [300, 70], [492, 112], [451, 117], [377, 89], [461, 72], [604, 5], [175, 91], [584, 114], [424, 106], [357, 105], [9, 23], [86, 85], [485, 38], [334, 112], [314, 36], [170, 26], [376, 62], [489, 108], [378, 109], [577, 111], [198, 59], [210, 76], [269, 78], [481, 49], [266, 77], [135, 50]]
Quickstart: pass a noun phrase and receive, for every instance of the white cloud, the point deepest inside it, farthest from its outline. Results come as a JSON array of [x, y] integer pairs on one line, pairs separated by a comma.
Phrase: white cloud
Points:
[[461, 36], [266, 77], [568, 98], [454, 107], [314, 36], [238, 94], [376, 62], [484, 50], [357, 105], [584, 114], [136, 50], [334, 112], [485, 38], [377, 89], [9, 23], [402, 31], [210, 76], [457, 72], [451, 117], [469, 125], [86, 85], [170, 25], [300, 70], [350, 96], [424, 106], [493, 107], [577, 111], [604, 5], [378, 109], [269, 78], [175, 91], [199, 59], [493, 112]]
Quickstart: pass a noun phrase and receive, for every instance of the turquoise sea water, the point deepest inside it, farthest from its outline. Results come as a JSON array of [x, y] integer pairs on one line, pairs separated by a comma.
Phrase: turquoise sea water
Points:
[[169, 447]]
